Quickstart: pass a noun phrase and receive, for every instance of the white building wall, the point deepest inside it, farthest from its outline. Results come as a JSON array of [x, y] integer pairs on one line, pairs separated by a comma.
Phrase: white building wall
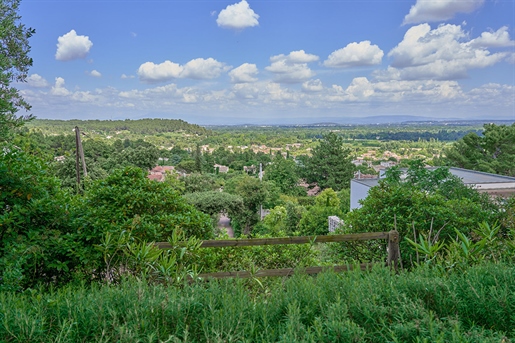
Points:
[[358, 191]]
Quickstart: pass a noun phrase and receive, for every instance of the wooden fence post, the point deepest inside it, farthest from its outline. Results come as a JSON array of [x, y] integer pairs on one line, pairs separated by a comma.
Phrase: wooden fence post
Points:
[[393, 249]]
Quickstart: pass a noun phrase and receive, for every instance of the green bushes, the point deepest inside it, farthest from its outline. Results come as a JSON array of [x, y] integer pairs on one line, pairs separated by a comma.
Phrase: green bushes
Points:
[[476, 305]]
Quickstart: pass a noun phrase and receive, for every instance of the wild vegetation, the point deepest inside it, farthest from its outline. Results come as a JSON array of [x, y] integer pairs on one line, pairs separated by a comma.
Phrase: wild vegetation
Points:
[[78, 260]]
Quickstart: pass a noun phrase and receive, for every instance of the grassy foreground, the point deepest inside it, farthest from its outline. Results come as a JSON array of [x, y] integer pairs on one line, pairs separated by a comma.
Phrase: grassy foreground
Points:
[[425, 305]]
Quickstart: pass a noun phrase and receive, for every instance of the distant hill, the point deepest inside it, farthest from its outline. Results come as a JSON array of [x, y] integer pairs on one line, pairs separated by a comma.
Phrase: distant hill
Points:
[[141, 126]]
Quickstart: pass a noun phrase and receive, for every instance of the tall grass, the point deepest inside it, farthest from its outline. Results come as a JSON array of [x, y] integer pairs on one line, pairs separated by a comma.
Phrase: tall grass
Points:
[[425, 305]]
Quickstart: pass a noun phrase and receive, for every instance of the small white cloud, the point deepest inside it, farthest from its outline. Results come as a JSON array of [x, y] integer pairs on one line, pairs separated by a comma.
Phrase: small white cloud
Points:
[[124, 76], [292, 68], [201, 68], [244, 73], [71, 46], [95, 73], [312, 86], [511, 58], [59, 89], [237, 16], [355, 55], [151, 72], [37, 81], [431, 10], [299, 56], [497, 39], [134, 34]]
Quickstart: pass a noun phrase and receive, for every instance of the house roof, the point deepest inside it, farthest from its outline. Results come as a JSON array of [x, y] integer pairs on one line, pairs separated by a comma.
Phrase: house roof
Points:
[[469, 177]]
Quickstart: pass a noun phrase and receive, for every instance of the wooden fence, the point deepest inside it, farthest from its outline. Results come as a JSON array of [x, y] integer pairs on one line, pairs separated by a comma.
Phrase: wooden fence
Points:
[[393, 252]]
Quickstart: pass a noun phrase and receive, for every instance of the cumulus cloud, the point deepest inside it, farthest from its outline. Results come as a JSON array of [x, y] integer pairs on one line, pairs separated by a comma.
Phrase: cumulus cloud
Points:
[[124, 76], [59, 89], [292, 68], [431, 10], [441, 53], [497, 39], [203, 69], [244, 73], [355, 55], [70, 46], [198, 68], [313, 86], [95, 73], [151, 72], [37, 81], [237, 16]]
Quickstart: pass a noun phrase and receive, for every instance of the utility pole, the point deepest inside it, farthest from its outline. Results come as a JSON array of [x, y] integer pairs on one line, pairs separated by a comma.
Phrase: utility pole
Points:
[[261, 179], [79, 155]]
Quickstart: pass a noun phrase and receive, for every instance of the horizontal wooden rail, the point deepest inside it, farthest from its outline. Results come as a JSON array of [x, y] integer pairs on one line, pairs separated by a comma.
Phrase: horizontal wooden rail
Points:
[[285, 240], [284, 271]]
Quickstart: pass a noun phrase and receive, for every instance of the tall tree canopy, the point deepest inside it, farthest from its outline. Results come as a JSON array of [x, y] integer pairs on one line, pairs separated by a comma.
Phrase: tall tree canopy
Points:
[[493, 152], [330, 166], [14, 65]]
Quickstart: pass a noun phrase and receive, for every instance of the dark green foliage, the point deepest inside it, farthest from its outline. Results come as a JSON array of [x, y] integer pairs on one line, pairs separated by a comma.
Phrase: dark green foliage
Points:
[[421, 306], [151, 211], [197, 182], [284, 173], [425, 201], [493, 152], [37, 240], [330, 165], [14, 66], [216, 202]]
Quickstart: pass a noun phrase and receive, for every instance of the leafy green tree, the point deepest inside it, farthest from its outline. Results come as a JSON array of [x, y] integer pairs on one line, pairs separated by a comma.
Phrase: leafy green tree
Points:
[[330, 165], [424, 201], [14, 66], [216, 202], [152, 211], [315, 220], [254, 194], [284, 173], [37, 240], [493, 152], [197, 182]]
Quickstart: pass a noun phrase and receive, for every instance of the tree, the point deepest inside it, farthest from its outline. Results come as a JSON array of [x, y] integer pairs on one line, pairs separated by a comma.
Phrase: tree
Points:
[[283, 172], [254, 194], [14, 66], [330, 165], [315, 220], [493, 152], [423, 201]]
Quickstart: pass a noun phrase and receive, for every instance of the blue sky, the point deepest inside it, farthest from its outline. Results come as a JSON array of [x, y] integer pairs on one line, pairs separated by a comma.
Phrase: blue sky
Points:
[[281, 61]]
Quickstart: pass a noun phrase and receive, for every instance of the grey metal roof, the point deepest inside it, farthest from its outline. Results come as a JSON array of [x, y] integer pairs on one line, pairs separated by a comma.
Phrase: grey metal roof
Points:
[[469, 177]]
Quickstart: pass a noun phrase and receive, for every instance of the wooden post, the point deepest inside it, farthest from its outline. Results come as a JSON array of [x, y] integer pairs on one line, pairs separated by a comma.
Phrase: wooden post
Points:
[[393, 250], [77, 156]]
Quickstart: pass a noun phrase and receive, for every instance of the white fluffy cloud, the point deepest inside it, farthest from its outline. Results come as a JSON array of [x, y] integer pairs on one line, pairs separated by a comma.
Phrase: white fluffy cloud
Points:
[[313, 86], [244, 73], [292, 68], [37, 81], [59, 89], [70, 46], [203, 69], [199, 68], [355, 55], [95, 73], [151, 72], [237, 16], [439, 10], [441, 53], [497, 39]]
